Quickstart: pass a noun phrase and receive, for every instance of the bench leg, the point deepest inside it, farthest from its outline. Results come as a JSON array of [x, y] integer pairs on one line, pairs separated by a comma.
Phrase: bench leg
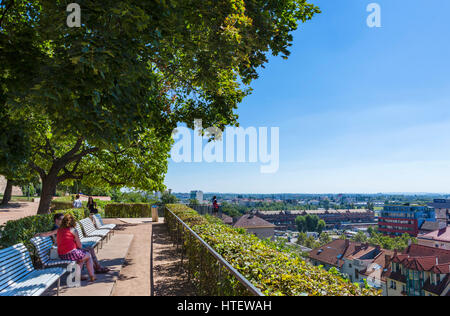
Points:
[[59, 285]]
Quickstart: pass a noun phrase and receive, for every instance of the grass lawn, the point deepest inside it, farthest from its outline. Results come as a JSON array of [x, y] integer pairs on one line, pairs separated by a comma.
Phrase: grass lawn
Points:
[[18, 198]]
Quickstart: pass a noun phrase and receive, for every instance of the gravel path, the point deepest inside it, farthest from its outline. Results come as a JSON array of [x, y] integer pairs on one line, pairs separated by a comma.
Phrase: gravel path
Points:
[[168, 277]]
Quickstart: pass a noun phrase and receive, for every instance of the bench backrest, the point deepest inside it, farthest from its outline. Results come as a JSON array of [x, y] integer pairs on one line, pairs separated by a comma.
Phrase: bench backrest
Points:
[[43, 246], [99, 218], [97, 221], [15, 264], [79, 230], [88, 226]]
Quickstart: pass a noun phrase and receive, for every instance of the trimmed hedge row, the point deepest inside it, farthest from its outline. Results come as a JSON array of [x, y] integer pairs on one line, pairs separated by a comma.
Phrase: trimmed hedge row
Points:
[[128, 210], [272, 271], [22, 230], [60, 205]]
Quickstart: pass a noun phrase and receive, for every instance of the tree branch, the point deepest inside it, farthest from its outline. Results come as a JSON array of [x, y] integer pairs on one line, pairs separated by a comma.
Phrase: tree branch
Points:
[[8, 6], [72, 152], [38, 169]]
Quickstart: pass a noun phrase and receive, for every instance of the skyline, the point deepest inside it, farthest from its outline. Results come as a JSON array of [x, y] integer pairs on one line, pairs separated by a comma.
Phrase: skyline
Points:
[[359, 109]]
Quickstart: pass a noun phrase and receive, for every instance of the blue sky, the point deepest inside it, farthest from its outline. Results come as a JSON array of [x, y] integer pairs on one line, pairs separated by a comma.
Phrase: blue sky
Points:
[[359, 109]]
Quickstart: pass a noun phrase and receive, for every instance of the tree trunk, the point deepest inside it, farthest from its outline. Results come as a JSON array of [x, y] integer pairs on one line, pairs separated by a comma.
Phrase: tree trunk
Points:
[[48, 188], [8, 193]]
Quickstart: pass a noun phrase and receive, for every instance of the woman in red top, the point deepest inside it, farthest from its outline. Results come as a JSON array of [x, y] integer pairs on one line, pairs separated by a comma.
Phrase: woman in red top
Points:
[[69, 245]]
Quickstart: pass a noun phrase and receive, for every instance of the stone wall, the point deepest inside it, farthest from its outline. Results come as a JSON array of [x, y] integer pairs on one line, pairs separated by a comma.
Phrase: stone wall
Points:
[[15, 191]]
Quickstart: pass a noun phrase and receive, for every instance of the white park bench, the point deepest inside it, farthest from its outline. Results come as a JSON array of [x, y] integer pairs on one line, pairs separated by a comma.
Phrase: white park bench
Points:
[[91, 231], [88, 242], [43, 247], [18, 277], [100, 225]]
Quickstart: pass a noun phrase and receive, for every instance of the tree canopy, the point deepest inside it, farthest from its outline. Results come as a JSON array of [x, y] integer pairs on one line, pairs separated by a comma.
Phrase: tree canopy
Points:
[[86, 97], [310, 223]]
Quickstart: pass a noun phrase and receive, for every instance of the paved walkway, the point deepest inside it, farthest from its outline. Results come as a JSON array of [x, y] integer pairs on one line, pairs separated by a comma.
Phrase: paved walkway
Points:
[[134, 279], [17, 210], [143, 260], [112, 255]]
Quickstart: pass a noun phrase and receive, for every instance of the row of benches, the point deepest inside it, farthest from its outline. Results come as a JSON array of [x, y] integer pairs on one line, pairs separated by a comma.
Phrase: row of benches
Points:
[[18, 277]]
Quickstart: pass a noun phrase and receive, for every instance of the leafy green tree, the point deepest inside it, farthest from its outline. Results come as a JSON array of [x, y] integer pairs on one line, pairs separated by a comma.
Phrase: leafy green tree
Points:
[[301, 238], [133, 68], [310, 223], [193, 202], [360, 237], [324, 238], [168, 198], [300, 221], [320, 226]]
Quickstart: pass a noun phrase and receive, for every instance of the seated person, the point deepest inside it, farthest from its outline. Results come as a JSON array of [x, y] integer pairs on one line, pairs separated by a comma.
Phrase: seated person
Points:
[[69, 246], [57, 219], [57, 223]]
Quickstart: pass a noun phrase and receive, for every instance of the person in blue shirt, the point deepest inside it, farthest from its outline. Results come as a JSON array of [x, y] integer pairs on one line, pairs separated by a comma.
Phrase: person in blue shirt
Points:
[[77, 203]]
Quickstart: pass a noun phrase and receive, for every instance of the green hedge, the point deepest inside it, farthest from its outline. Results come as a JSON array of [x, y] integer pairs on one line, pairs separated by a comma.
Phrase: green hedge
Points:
[[56, 205], [22, 230], [125, 210], [273, 271]]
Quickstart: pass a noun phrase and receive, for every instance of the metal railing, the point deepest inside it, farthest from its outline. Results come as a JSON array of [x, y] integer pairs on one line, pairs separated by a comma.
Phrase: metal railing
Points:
[[182, 233], [204, 209]]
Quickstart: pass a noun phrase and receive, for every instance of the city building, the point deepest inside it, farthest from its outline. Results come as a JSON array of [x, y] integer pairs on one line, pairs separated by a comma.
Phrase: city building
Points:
[[360, 262], [420, 271], [442, 209], [439, 239], [256, 225], [396, 220], [285, 220], [197, 195]]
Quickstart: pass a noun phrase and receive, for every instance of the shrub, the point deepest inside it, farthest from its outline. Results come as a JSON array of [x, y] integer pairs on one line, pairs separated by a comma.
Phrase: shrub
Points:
[[123, 210], [57, 205], [22, 230], [273, 271]]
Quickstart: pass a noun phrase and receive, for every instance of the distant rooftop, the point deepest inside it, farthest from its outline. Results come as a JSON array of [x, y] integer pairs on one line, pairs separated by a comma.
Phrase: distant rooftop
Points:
[[252, 221]]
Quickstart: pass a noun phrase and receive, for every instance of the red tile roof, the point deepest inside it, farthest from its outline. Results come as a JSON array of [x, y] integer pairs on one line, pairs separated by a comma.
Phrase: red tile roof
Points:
[[334, 252], [422, 258]]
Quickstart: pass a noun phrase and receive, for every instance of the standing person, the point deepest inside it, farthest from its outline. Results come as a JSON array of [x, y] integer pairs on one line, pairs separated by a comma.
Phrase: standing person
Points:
[[69, 246], [92, 206], [215, 206], [77, 203]]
